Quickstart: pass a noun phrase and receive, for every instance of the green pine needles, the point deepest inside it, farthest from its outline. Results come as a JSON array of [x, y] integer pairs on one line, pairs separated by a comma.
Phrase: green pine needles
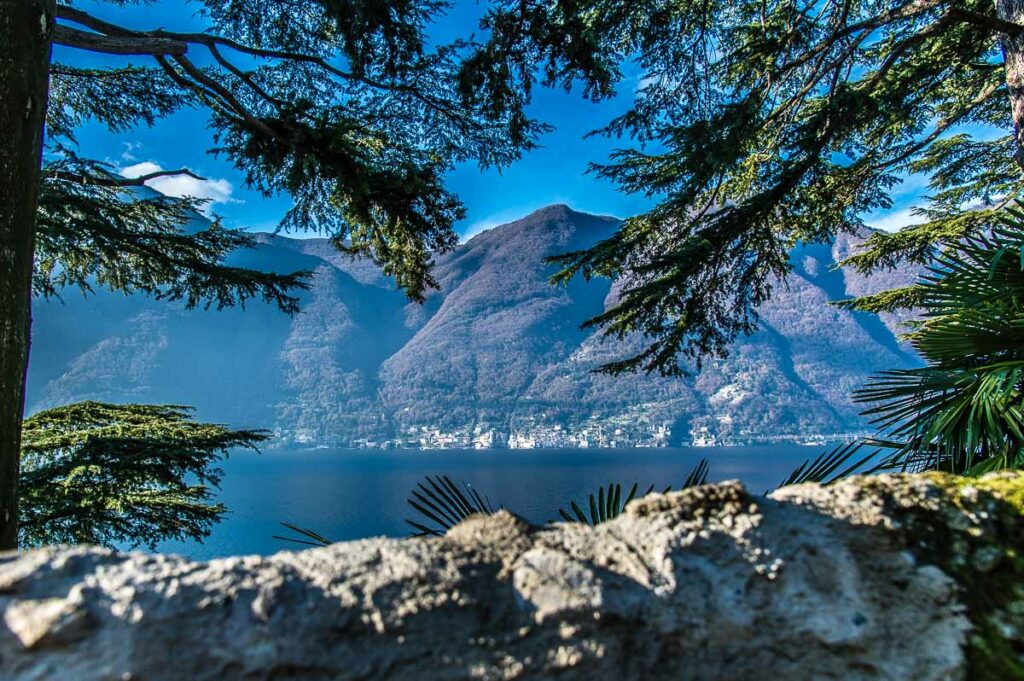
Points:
[[121, 473], [761, 123]]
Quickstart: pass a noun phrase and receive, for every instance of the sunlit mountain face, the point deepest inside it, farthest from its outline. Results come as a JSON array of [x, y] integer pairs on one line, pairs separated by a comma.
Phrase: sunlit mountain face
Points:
[[494, 358]]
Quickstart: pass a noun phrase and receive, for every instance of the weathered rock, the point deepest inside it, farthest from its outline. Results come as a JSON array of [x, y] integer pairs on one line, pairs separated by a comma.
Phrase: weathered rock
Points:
[[872, 578]]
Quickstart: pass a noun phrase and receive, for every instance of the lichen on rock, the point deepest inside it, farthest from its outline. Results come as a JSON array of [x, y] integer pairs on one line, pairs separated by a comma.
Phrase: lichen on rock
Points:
[[970, 528], [900, 577]]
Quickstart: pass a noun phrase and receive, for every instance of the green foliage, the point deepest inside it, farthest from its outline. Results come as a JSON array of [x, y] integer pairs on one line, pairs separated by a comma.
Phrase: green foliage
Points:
[[758, 124], [95, 227], [444, 505], [303, 536], [830, 466], [118, 98], [93, 230], [901, 298], [341, 104], [609, 503], [962, 412], [108, 473], [605, 506]]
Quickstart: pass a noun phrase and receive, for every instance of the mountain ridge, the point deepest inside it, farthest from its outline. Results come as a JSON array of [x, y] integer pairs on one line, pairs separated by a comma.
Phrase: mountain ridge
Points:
[[494, 357]]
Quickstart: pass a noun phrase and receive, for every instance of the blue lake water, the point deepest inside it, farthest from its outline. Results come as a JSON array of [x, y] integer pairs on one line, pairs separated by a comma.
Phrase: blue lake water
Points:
[[352, 494]]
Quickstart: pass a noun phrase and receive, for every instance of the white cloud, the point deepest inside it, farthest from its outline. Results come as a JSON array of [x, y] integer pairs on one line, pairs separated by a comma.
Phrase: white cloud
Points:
[[893, 221], [479, 227], [216, 190], [128, 155]]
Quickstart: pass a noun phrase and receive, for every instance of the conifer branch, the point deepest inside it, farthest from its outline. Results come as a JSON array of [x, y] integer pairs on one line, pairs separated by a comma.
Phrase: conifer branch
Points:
[[110, 181], [95, 42]]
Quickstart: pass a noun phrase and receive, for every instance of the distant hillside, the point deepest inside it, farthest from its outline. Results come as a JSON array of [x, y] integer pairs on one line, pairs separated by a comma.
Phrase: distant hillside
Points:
[[494, 357]]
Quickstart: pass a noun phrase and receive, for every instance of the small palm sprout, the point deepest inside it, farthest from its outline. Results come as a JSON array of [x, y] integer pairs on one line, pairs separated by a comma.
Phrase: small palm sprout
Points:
[[608, 503], [444, 505], [305, 536], [829, 466]]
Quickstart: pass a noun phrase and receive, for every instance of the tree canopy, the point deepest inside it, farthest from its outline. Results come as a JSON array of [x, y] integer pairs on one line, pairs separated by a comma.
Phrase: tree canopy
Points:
[[761, 123], [756, 125], [341, 104], [108, 473], [345, 105]]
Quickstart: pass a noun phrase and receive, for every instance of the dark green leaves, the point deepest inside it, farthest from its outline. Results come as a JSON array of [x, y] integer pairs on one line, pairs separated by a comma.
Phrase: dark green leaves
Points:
[[342, 104], [609, 502], [831, 466], [120, 98], [303, 536], [108, 473], [761, 124], [963, 411], [92, 230], [605, 506], [444, 505]]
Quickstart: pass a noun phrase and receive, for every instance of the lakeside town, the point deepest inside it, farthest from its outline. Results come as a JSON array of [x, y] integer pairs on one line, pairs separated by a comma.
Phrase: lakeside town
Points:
[[593, 434]]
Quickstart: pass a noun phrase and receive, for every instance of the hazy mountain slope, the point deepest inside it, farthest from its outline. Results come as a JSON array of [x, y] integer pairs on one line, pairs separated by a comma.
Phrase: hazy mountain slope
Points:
[[496, 348], [498, 322]]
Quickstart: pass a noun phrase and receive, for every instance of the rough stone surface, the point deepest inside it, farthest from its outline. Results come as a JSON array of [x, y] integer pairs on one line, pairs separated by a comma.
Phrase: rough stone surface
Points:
[[840, 582]]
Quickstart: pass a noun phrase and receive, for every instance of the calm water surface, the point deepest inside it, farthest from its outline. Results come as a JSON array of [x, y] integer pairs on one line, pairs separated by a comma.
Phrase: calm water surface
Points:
[[352, 494]]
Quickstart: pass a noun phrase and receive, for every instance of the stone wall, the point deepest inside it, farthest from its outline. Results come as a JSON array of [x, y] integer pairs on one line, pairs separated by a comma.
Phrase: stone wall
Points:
[[890, 577]]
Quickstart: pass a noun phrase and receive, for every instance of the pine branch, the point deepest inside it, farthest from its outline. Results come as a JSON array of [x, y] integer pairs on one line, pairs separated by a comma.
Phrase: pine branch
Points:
[[95, 42], [110, 181]]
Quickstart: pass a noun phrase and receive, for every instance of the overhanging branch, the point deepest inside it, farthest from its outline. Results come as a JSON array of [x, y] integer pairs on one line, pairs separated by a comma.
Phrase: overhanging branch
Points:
[[95, 42], [119, 38], [112, 181], [987, 21]]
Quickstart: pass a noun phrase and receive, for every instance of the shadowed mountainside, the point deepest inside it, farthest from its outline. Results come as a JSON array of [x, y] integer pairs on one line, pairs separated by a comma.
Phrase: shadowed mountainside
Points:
[[495, 355]]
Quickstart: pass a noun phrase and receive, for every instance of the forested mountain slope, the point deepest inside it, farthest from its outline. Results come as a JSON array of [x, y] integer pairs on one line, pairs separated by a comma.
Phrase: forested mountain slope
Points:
[[494, 357]]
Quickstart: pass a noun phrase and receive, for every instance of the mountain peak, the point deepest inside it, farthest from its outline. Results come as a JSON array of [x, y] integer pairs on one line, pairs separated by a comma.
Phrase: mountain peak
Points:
[[495, 355], [564, 211]]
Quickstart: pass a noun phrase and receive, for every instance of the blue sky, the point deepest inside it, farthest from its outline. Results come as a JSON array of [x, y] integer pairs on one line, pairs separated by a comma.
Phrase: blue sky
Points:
[[555, 173]]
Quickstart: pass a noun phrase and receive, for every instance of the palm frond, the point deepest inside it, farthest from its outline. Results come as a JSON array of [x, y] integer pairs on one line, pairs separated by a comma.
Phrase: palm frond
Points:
[[698, 476], [830, 466], [305, 536], [964, 411], [443, 505], [609, 504]]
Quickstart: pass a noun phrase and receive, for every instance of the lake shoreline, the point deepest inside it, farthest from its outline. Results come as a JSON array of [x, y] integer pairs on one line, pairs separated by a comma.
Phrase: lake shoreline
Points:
[[348, 494]]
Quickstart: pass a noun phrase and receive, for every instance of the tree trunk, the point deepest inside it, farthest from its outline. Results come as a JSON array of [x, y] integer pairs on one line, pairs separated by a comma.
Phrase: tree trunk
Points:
[[1013, 57], [25, 29]]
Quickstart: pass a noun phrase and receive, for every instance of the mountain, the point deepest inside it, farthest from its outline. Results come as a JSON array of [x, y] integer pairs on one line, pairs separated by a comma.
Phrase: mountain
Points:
[[494, 357]]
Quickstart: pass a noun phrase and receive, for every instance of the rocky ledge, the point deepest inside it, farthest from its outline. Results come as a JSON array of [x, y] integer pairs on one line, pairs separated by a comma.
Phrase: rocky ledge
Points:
[[889, 577]]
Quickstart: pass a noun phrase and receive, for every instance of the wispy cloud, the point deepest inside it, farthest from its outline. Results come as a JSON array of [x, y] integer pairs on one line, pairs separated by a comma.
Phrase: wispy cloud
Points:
[[481, 226], [128, 155], [893, 221], [217, 190]]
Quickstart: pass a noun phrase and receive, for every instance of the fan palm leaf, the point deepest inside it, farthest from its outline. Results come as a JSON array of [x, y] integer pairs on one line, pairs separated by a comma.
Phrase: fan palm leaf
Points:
[[443, 505], [962, 412], [609, 504], [304, 536], [831, 466]]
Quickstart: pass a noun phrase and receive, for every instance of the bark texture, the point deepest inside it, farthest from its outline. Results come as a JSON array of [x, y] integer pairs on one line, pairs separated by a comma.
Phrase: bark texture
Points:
[[1013, 55], [894, 577], [25, 33]]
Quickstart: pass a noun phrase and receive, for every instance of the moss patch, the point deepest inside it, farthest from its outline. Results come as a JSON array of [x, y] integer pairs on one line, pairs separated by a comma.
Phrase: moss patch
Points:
[[972, 528]]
